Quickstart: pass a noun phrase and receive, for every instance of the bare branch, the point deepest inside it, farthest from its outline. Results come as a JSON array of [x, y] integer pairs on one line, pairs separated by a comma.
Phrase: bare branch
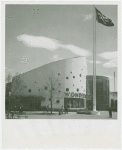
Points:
[[17, 85]]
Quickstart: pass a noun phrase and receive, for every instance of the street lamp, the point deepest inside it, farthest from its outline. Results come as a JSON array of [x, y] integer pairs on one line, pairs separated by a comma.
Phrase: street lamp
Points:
[[9, 103]]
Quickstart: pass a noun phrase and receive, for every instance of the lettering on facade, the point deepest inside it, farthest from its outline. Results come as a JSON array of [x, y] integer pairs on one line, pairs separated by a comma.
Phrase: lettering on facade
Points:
[[67, 94], [75, 95]]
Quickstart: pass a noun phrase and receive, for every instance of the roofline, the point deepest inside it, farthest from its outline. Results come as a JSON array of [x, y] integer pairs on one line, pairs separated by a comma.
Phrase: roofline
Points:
[[53, 62], [97, 76]]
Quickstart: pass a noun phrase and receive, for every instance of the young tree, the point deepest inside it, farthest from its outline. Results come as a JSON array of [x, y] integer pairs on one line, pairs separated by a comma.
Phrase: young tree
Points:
[[53, 87], [17, 85]]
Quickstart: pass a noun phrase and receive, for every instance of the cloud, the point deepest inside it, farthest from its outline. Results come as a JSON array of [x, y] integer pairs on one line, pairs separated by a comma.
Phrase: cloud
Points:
[[108, 55], [55, 58], [76, 50], [50, 44], [111, 57], [111, 64], [87, 17], [39, 42], [97, 61]]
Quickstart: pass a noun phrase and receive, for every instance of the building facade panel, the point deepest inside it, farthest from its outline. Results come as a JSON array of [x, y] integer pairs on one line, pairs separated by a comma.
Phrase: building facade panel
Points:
[[66, 79], [102, 92]]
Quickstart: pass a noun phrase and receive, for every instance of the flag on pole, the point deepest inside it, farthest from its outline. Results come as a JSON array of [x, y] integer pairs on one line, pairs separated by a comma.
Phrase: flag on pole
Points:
[[103, 19]]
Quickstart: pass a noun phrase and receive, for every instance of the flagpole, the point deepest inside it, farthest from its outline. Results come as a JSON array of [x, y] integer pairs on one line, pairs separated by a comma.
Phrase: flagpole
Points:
[[94, 59], [114, 81]]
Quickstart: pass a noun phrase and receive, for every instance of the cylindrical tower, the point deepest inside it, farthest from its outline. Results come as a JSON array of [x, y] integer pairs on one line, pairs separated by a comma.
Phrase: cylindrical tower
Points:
[[102, 92]]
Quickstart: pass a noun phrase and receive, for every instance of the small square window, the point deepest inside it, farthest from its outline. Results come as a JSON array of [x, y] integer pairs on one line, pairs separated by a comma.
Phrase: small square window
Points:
[[29, 90], [67, 89]]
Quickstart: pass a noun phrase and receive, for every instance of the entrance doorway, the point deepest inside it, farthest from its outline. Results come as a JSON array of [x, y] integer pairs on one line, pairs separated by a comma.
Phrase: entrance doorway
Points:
[[74, 102]]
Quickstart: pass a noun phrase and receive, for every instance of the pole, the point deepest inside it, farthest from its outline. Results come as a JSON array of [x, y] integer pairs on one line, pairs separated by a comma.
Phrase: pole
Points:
[[9, 107], [114, 81], [51, 95], [94, 59]]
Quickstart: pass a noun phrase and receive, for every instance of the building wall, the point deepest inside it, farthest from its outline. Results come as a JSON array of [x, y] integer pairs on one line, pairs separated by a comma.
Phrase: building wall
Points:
[[113, 99], [69, 77], [102, 92], [7, 97]]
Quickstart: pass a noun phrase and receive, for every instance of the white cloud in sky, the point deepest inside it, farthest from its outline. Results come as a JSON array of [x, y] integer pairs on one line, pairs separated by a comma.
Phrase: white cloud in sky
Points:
[[50, 44], [111, 57], [97, 61], [87, 17], [55, 58], [108, 55], [111, 64], [38, 42], [77, 50]]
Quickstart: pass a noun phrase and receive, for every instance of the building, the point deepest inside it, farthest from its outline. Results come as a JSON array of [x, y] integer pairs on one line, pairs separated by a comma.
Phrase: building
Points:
[[69, 85], [64, 81], [102, 92], [113, 100], [7, 97]]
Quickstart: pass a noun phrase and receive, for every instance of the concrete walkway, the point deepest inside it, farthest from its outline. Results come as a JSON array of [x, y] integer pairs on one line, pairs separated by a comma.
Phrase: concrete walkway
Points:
[[70, 115]]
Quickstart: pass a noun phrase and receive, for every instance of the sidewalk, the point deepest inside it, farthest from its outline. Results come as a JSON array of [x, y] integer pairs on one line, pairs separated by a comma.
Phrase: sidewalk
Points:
[[70, 115]]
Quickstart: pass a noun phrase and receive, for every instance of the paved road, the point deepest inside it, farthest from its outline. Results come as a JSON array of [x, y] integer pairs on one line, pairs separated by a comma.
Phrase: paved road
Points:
[[73, 115]]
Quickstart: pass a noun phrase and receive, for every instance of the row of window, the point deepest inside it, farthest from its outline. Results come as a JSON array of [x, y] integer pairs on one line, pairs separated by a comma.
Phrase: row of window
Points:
[[34, 105], [67, 89], [89, 90]]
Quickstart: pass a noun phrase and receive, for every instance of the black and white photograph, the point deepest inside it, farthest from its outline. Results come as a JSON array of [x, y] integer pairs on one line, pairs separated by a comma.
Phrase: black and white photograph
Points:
[[61, 63]]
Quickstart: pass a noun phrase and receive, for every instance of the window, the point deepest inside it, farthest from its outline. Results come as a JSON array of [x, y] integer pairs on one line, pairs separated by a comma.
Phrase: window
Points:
[[74, 102], [45, 87], [30, 105], [29, 90], [77, 89]]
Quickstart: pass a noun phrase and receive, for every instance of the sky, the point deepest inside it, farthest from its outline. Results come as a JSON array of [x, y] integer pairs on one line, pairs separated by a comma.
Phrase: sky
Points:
[[36, 35]]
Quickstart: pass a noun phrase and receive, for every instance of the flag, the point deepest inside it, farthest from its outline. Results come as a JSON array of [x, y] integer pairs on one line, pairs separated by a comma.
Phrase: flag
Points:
[[103, 19]]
